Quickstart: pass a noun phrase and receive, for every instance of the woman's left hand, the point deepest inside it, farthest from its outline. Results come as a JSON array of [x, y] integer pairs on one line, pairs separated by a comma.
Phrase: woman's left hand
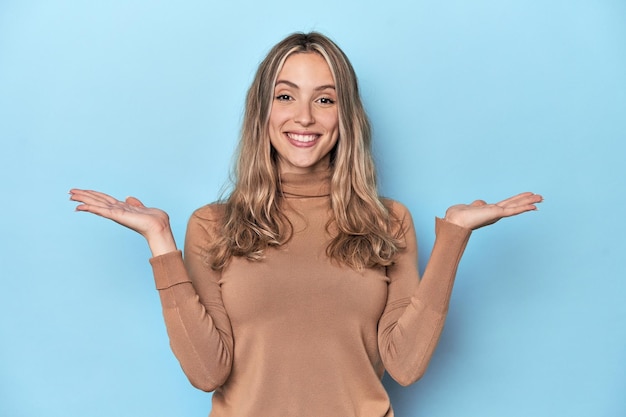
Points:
[[479, 213]]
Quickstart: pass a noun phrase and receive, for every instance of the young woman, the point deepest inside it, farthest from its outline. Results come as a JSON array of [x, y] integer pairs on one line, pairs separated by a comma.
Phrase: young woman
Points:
[[302, 288]]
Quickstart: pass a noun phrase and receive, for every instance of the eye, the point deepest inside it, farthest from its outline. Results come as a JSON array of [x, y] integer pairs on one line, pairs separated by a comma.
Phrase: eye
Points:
[[326, 100], [283, 97]]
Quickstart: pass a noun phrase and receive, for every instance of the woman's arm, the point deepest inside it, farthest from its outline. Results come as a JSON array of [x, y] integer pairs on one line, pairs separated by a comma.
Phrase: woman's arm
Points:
[[196, 322], [413, 319]]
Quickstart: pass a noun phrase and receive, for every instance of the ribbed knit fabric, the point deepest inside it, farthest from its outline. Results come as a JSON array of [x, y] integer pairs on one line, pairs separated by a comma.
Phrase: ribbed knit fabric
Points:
[[296, 334]]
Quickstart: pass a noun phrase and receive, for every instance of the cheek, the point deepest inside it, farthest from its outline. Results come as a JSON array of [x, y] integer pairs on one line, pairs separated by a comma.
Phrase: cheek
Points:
[[278, 116], [330, 121]]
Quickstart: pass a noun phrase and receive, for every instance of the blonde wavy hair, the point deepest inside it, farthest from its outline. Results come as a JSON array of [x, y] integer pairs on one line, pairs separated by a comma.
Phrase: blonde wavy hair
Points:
[[253, 220]]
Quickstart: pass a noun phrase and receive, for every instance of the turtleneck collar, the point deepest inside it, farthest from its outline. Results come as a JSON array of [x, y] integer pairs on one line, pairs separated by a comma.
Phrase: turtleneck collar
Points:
[[313, 184]]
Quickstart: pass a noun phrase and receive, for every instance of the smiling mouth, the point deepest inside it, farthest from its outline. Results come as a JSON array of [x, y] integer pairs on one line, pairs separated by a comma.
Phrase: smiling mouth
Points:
[[302, 138]]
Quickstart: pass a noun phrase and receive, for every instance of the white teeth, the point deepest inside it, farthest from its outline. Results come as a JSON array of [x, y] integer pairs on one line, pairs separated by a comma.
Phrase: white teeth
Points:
[[302, 138]]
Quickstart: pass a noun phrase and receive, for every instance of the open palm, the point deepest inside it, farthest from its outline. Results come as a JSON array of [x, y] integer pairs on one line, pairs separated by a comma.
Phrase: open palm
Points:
[[479, 213], [130, 213]]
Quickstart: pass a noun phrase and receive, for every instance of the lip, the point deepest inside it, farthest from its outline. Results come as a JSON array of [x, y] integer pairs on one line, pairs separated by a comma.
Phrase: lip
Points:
[[302, 139]]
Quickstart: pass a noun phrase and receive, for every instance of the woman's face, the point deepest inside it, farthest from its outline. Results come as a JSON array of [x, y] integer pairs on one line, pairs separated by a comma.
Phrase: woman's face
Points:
[[304, 121]]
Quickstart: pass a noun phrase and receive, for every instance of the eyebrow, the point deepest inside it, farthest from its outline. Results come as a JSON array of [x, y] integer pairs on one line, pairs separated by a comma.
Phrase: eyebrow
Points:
[[293, 85]]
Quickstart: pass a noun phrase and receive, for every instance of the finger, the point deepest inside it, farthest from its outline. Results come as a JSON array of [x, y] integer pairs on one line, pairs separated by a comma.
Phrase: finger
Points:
[[100, 210], [91, 195], [519, 209], [521, 199], [531, 199], [514, 198], [94, 202], [478, 203]]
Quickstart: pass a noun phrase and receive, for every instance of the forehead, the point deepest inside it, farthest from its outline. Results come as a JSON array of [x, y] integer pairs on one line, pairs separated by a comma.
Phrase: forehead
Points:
[[306, 68]]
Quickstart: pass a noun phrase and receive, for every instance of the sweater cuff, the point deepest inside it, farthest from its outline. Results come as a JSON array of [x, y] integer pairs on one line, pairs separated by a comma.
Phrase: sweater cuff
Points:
[[451, 234], [441, 223], [169, 270]]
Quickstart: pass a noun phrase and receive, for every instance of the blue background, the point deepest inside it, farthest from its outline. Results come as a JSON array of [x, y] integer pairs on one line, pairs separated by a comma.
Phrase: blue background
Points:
[[479, 99]]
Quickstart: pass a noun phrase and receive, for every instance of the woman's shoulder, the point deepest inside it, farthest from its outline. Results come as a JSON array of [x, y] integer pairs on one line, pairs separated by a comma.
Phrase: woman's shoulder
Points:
[[207, 219], [210, 212], [399, 216], [396, 209]]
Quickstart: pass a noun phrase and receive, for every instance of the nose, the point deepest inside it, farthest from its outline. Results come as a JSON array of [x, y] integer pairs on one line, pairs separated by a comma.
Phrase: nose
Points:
[[304, 114]]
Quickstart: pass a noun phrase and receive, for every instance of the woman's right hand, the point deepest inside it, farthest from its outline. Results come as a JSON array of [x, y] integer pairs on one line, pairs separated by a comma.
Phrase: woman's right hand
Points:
[[151, 223]]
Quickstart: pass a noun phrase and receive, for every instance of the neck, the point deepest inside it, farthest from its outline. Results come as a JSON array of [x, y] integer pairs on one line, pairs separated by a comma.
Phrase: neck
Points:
[[308, 184]]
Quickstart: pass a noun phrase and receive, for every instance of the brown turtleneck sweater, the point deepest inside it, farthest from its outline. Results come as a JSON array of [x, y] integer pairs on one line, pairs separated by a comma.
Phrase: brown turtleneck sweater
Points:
[[296, 334]]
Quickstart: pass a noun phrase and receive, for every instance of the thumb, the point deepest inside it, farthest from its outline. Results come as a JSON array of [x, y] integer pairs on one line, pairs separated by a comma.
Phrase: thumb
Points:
[[134, 202], [478, 203]]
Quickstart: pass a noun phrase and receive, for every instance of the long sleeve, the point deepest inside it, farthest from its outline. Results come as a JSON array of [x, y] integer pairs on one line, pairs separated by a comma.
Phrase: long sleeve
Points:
[[415, 312], [197, 324]]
